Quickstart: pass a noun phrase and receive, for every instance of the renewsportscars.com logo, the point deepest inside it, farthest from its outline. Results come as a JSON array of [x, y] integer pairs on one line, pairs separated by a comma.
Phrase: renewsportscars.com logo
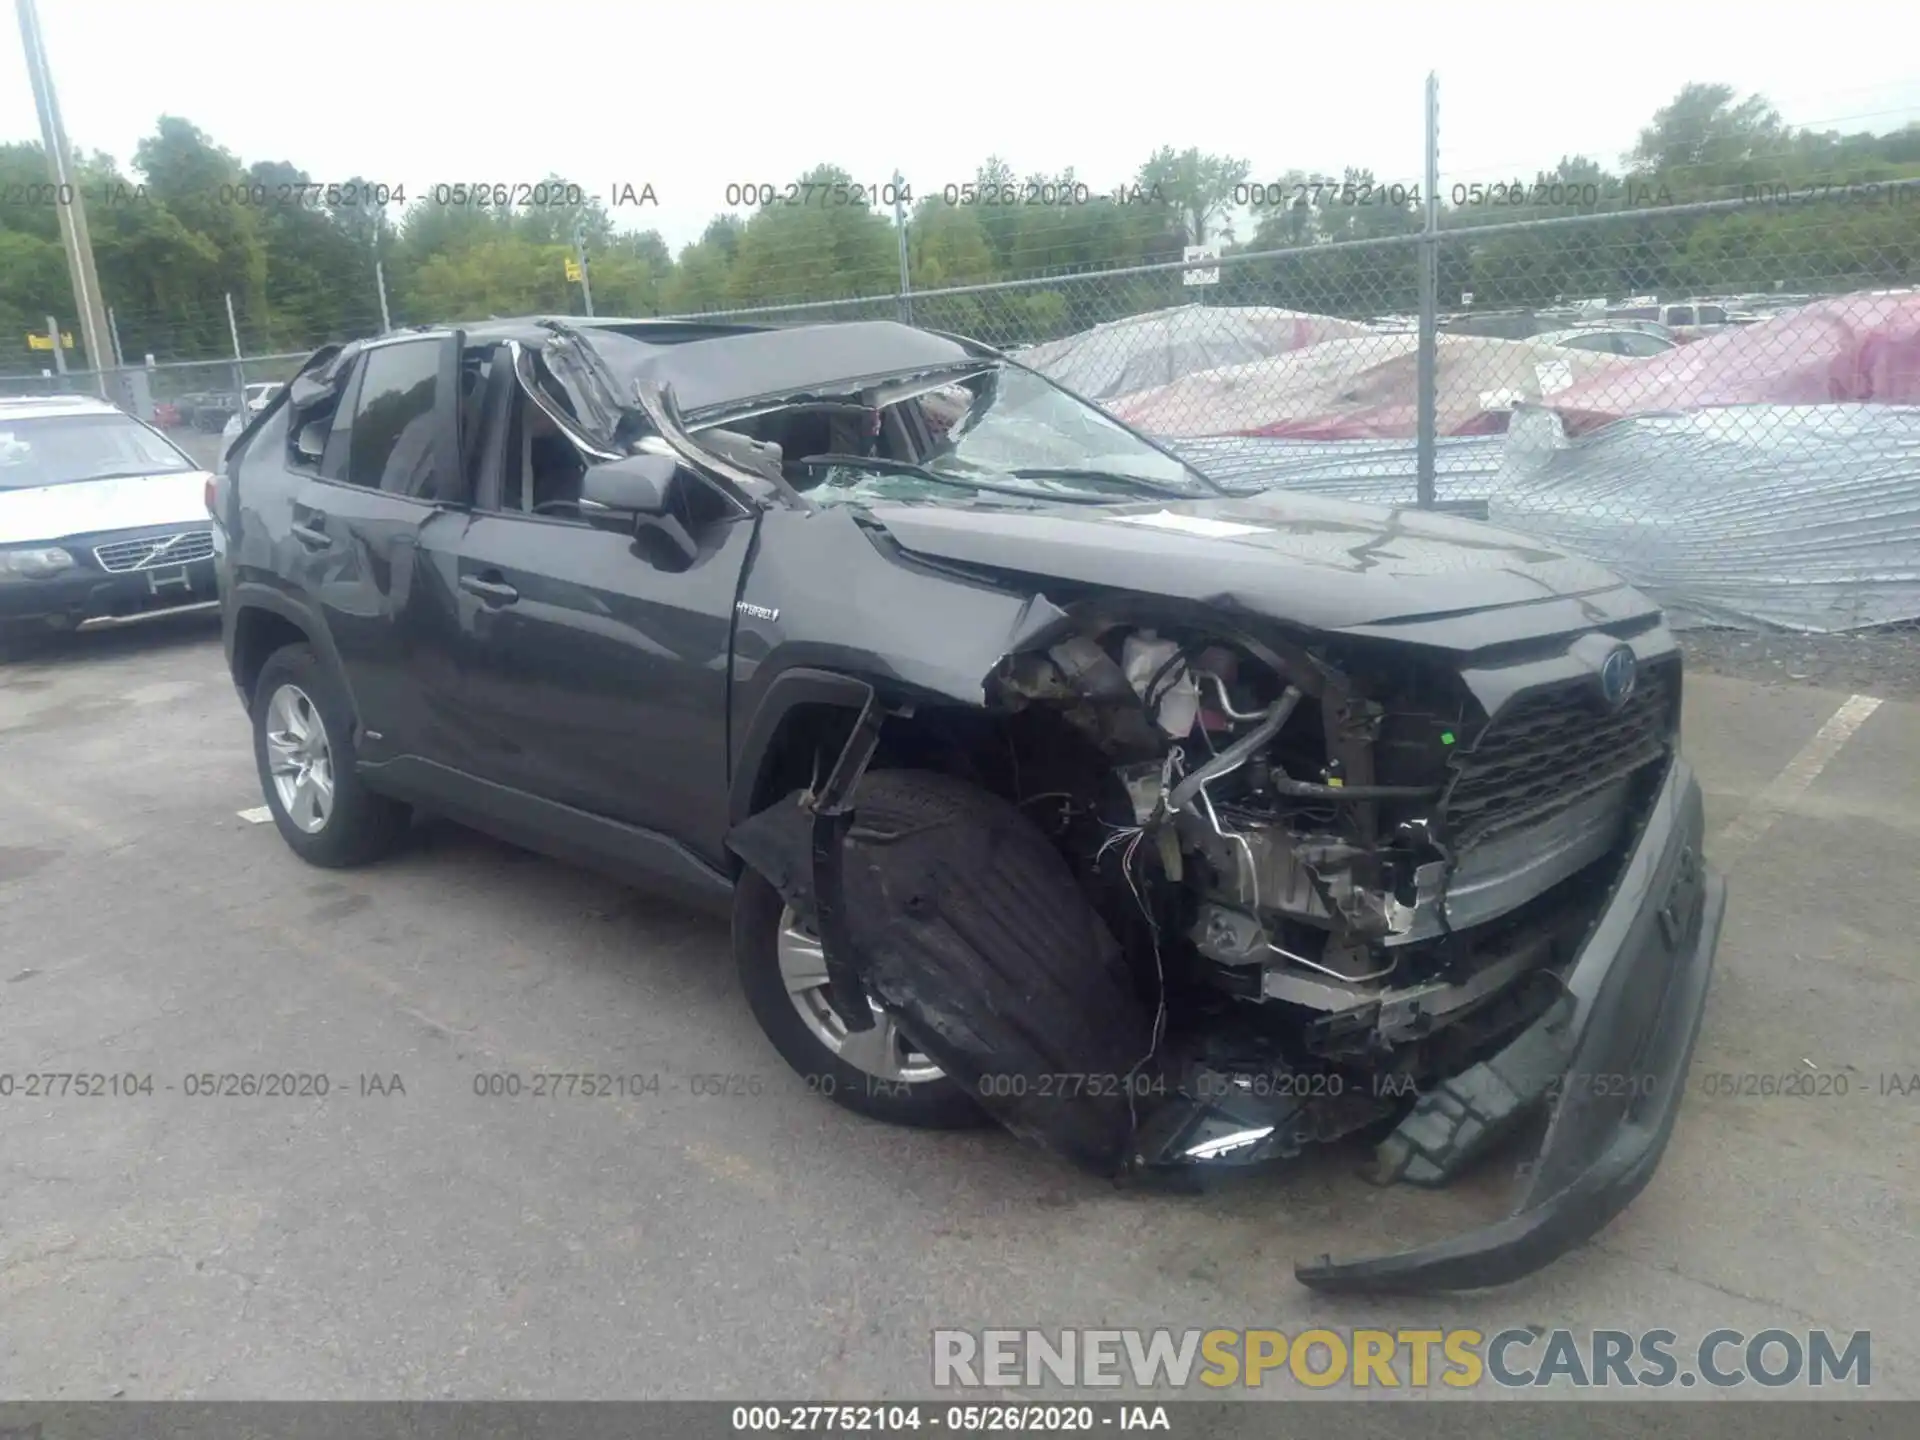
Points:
[[1319, 1359]]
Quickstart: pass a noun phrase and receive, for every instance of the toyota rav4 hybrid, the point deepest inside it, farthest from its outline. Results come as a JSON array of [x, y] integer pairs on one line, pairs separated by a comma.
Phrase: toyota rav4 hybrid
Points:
[[1043, 782], [103, 520]]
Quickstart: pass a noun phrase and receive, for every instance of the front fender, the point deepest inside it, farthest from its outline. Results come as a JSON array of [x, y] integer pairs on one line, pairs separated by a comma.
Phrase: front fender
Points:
[[830, 613], [781, 696]]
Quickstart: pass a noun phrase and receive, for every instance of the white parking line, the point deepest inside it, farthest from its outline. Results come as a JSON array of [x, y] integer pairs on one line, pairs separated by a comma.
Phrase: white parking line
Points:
[[1792, 782]]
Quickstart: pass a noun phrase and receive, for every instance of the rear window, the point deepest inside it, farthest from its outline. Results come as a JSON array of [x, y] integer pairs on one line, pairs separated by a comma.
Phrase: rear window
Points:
[[68, 449], [393, 425]]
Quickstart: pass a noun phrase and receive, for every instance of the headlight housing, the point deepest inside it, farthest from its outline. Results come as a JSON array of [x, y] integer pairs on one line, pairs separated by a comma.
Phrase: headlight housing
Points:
[[36, 564]]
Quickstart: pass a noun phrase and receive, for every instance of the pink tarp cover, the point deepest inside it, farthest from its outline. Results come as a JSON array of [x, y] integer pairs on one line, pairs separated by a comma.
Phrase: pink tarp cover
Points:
[[1363, 388], [1862, 348]]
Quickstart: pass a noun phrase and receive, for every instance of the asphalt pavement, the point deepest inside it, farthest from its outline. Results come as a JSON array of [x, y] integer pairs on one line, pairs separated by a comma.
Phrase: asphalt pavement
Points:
[[407, 1235]]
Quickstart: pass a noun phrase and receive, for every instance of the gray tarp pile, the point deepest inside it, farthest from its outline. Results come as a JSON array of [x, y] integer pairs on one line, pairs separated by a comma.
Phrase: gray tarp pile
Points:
[[1727, 504], [1142, 351], [1801, 517]]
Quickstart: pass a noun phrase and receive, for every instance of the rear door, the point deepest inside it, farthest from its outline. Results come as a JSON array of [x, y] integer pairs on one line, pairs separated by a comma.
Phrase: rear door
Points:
[[376, 529]]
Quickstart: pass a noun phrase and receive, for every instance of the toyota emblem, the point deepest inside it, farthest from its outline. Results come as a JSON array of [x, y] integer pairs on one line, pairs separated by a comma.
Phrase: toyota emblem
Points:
[[1617, 675]]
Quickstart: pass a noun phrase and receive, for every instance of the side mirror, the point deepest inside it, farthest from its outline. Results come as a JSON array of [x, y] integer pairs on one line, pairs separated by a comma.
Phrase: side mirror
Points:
[[619, 493], [631, 495], [311, 442]]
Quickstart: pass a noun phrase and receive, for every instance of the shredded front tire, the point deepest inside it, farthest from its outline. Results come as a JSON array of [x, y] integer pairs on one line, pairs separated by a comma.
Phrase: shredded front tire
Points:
[[892, 1089]]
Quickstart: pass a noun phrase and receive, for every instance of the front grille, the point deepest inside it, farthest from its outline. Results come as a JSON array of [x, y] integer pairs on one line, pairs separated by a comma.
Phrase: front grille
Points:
[[1548, 750], [179, 548]]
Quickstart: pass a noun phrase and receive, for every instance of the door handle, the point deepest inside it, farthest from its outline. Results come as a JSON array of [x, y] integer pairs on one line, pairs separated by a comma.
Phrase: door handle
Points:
[[309, 536], [494, 592]]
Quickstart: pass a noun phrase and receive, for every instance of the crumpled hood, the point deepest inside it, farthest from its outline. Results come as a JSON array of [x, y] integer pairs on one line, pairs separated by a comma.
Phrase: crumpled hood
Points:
[[50, 512], [1327, 564]]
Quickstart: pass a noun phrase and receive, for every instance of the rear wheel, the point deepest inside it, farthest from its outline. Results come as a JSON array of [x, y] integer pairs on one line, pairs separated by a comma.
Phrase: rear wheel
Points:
[[877, 1072], [303, 748]]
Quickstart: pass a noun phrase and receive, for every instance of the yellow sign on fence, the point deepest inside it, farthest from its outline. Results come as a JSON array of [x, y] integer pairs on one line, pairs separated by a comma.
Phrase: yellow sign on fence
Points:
[[37, 341]]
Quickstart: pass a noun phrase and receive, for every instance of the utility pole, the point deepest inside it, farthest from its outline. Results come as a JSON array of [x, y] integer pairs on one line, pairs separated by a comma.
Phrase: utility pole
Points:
[[380, 281], [73, 212], [900, 229], [580, 259]]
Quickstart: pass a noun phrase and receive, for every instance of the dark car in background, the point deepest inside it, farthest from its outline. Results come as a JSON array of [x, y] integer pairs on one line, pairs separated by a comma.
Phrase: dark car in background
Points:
[[1635, 341], [211, 410], [1016, 751]]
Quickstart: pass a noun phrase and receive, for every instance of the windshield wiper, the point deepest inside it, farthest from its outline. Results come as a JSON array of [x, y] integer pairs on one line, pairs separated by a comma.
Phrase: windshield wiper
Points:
[[1111, 477], [920, 472]]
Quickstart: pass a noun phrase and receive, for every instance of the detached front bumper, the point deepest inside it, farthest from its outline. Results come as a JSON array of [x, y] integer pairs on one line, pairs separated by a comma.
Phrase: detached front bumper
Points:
[[1611, 1060]]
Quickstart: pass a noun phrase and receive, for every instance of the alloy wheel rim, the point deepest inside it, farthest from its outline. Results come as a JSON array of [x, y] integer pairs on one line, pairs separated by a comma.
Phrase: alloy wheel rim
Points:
[[300, 759], [882, 1052]]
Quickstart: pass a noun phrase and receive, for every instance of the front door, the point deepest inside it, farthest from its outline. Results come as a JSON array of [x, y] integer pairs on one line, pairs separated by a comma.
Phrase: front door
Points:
[[597, 665]]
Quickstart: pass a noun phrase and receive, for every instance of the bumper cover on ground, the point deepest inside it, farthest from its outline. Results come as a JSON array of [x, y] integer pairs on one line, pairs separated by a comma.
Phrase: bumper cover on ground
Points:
[[1635, 996]]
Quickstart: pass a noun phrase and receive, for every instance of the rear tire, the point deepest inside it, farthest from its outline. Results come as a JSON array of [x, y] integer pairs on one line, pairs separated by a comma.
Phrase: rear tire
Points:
[[303, 729]]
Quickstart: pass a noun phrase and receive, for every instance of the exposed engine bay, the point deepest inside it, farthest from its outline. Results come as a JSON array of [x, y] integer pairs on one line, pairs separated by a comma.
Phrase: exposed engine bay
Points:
[[1331, 886]]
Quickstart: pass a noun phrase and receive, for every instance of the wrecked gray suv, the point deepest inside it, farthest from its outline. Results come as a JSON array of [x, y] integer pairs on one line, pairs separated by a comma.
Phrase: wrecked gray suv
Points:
[[1043, 782]]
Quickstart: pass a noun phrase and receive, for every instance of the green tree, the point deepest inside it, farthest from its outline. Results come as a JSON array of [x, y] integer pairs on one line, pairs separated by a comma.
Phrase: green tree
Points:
[[188, 230], [1704, 143], [1200, 186], [814, 251], [700, 280], [204, 187], [630, 274]]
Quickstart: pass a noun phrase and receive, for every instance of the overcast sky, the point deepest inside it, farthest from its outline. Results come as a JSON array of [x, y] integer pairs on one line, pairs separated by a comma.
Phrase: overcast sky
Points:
[[690, 97]]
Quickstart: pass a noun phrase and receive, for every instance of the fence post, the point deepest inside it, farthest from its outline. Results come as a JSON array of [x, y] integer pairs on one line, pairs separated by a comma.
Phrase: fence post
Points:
[[1429, 302], [900, 228], [59, 355], [239, 370], [380, 281]]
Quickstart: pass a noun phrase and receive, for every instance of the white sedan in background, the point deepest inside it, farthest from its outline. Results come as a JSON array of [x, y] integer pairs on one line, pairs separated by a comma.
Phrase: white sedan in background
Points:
[[103, 520], [258, 397]]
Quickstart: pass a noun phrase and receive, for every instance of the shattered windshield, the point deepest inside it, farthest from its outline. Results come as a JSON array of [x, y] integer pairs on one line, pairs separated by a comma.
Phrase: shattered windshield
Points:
[[1001, 436], [1011, 423]]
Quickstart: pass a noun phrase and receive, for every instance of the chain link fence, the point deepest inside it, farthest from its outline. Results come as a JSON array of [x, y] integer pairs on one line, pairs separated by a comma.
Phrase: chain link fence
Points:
[[1719, 399], [190, 401]]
